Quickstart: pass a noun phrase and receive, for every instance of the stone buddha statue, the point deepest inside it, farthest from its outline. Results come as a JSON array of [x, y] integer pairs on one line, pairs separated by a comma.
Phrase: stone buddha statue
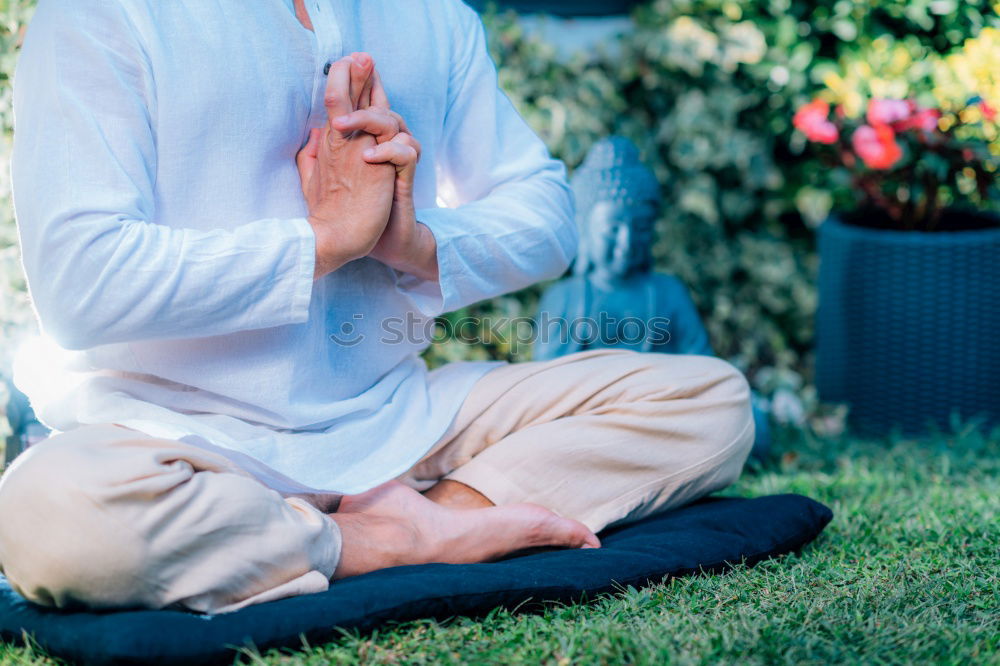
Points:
[[614, 298], [614, 290]]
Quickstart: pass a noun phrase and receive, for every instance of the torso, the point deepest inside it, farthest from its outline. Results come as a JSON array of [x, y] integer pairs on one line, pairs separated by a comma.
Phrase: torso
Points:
[[237, 88]]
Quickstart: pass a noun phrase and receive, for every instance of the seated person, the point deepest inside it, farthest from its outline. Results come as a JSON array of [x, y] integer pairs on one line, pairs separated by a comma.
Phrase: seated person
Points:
[[224, 225]]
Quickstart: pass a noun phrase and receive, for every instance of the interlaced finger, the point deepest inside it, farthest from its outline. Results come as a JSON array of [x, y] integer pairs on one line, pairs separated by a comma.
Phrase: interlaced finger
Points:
[[377, 122], [402, 151]]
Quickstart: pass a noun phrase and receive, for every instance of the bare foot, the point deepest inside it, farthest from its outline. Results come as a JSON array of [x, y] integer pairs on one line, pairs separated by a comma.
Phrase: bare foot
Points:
[[456, 495], [393, 525]]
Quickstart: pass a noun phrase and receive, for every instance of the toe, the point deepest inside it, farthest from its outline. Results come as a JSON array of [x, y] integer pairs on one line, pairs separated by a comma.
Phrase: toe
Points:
[[580, 535], [554, 530]]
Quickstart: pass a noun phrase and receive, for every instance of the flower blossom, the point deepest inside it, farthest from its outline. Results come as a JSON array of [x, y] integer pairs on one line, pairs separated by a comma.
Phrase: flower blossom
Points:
[[876, 146], [902, 115], [889, 111], [925, 120], [988, 111], [813, 120]]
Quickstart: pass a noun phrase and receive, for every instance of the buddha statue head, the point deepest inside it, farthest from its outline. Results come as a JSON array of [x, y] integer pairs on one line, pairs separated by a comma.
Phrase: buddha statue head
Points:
[[617, 200]]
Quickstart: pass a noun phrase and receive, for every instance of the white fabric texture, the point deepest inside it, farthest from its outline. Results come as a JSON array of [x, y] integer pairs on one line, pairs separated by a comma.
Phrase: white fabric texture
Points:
[[163, 228]]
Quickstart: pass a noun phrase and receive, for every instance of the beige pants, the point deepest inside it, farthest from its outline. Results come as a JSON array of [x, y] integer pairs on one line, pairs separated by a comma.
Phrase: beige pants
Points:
[[108, 517]]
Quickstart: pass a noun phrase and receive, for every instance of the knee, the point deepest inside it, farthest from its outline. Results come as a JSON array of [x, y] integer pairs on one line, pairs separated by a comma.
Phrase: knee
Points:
[[727, 394], [723, 380], [59, 545], [708, 379], [729, 414], [715, 404]]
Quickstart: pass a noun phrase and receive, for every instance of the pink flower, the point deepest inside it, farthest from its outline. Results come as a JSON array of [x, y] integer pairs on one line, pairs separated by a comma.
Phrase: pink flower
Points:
[[902, 115], [877, 146], [813, 120], [925, 120], [988, 111], [889, 111]]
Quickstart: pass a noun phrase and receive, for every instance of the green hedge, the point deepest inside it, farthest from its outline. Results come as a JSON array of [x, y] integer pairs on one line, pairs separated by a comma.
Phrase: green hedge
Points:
[[707, 90], [15, 313]]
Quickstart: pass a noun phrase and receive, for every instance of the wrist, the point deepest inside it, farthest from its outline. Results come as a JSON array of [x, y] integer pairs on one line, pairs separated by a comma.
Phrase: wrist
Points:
[[422, 259], [329, 253]]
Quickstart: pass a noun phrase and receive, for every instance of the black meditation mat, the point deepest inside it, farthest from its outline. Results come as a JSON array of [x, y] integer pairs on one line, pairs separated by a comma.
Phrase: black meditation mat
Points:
[[709, 536]]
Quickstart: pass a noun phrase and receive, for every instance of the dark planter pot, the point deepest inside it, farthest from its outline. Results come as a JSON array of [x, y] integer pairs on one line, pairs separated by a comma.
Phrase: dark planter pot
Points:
[[908, 329]]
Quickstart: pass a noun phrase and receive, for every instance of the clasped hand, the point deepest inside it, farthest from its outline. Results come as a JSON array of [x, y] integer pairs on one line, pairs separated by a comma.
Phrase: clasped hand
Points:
[[357, 177]]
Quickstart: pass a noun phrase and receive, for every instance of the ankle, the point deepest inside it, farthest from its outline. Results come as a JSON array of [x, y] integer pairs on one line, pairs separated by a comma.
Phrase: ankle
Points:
[[371, 542]]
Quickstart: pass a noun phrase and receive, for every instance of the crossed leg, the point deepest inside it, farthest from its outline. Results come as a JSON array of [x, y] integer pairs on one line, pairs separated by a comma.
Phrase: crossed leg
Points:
[[107, 517], [604, 437]]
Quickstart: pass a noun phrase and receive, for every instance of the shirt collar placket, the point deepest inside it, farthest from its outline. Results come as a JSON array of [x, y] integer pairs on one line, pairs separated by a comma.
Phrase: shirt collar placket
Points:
[[329, 47]]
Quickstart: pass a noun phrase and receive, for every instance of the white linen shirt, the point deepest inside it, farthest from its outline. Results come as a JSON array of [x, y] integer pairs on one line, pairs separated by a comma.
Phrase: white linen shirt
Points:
[[164, 237]]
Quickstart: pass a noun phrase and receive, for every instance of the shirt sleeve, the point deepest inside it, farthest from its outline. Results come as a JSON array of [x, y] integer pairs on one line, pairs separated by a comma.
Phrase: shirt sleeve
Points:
[[100, 270], [510, 221]]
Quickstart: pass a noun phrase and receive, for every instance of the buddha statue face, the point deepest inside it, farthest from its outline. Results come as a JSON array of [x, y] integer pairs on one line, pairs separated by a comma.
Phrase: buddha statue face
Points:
[[617, 239], [617, 203]]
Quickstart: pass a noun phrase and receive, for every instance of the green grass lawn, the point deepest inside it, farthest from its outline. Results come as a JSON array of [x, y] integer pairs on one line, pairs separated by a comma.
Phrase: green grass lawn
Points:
[[907, 572]]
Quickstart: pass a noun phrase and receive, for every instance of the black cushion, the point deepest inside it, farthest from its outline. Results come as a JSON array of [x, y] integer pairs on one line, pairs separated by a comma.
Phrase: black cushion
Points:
[[708, 536]]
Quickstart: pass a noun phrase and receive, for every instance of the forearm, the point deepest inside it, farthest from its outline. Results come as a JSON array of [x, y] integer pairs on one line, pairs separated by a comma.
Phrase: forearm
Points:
[[508, 220], [100, 281], [518, 235], [104, 265]]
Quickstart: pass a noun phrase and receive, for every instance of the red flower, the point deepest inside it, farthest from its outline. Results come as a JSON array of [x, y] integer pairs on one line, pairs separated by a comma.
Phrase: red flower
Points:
[[813, 120], [877, 146]]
